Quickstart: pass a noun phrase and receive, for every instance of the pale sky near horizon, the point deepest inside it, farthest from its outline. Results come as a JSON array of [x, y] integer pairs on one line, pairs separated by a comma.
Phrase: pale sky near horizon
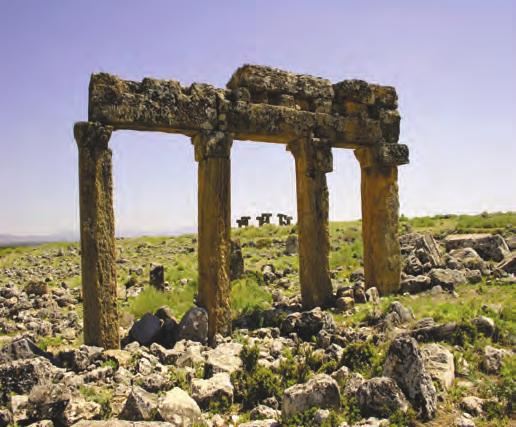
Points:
[[453, 64]]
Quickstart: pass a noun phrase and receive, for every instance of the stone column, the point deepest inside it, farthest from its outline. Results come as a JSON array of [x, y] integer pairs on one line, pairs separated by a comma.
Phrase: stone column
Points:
[[380, 212], [99, 291], [313, 160], [212, 152]]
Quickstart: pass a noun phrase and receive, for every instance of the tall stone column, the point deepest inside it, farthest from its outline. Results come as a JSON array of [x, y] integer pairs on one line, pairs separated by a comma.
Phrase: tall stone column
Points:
[[380, 212], [313, 160], [99, 291], [212, 152]]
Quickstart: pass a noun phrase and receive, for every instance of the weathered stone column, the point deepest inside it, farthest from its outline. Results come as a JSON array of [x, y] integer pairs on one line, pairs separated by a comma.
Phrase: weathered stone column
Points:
[[380, 212], [212, 152], [313, 160], [99, 290]]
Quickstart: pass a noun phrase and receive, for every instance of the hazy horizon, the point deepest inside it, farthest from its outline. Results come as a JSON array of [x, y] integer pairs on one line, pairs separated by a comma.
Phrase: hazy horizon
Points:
[[453, 66]]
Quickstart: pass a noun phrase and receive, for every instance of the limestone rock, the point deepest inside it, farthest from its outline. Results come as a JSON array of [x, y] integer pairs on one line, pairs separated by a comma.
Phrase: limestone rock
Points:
[[21, 376], [472, 405], [493, 359], [80, 409], [438, 362], [214, 389], [261, 423], [485, 325], [194, 325], [372, 295], [47, 402], [139, 406], [381, 397], [307, 323], [488, 246], [262, 412], [416, 284], [236, 261], [446, 278], [321, 391], [468, 257], [179, 409], [146, 330], [404, 364], [509, 264], [224, 358], [291, 245]]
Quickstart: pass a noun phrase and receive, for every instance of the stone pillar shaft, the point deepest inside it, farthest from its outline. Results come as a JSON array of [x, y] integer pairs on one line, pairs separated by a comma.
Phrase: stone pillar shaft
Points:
[[313, 159], [212, 152], [99, 290], [380, 212]]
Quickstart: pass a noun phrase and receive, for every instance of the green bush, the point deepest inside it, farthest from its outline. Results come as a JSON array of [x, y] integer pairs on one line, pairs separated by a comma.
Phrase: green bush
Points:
[[358, 356], [403, 419], [465, 334]]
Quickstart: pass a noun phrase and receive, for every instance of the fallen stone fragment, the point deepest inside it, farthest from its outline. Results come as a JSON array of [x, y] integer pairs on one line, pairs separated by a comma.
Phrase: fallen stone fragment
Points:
[[321, 391], [146, 330], [216, 389], [438, 362], [179, 409], [194, 325], [381, 397], [493, 359], [404, 364], [446, 278], [488, 246], [139, 406]]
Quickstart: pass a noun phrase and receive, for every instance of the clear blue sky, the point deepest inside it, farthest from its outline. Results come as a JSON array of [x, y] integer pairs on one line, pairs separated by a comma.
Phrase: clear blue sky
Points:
[[452, 62]]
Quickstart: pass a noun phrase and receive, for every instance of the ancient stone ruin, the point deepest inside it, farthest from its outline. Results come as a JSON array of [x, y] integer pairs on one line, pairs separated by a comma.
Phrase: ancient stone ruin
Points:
[[243, 221], [284, 219], [310, 115], [264, 218]]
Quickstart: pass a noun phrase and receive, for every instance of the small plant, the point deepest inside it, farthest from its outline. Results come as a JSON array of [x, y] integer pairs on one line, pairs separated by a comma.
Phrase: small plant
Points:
[[98, 395], [403, 419], [358, 356], [465, 334]]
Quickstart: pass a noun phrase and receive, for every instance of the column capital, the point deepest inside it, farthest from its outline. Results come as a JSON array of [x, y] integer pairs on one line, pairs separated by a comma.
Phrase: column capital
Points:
[[383, 155], [212, 144], [92, 134], [314, 154]]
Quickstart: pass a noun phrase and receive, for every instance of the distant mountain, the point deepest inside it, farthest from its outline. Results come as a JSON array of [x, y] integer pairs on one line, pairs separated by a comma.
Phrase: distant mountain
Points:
[[29, 239]]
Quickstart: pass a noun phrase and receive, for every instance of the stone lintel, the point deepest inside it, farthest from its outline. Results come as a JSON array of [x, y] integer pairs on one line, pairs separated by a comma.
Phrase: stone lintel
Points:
[[349, 120], [383, 155]]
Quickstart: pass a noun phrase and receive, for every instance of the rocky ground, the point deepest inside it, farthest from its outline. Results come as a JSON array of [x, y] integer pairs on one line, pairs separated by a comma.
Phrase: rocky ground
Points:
[[439, 353]]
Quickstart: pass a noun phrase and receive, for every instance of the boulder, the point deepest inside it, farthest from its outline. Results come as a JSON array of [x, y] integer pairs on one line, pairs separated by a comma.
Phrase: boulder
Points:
[[236, 261], [146, 330], [157, 277], [372, 295], [344, 303], [224, 358], [307, 324], [22, 348], [423, 251], [464, 420], [438, 362], [139, 406], [47, 402], [79, 359], [262, 412], [405, 365], [403, 313], [321, 391], [79, 409], [472, 405], [194, 325], [468, 257], [473, 276], [37, 288], [509, 264], [21, 376], [416, 284], [215, 389], [179, 409], [488, 246], [447, 278], [381, 397], [291, 245], [485, 325], [493, 359], [261, 423]]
